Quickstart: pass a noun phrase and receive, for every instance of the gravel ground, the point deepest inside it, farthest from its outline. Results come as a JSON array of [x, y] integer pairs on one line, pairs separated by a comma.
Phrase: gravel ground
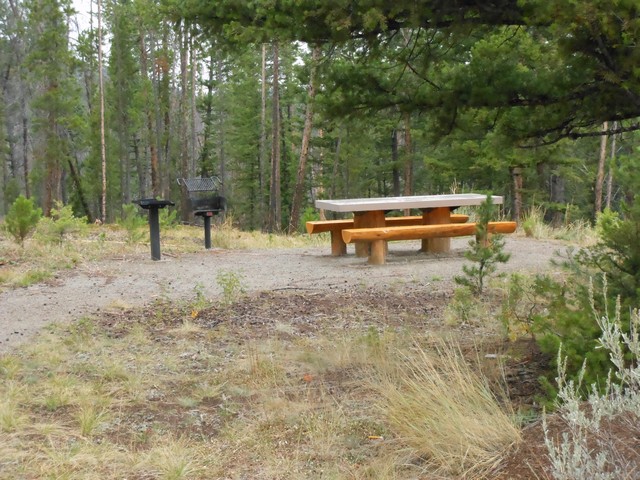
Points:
[[136, 281]]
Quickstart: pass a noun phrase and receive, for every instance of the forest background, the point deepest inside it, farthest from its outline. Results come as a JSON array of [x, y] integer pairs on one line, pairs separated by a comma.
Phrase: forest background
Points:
[[290, 102]]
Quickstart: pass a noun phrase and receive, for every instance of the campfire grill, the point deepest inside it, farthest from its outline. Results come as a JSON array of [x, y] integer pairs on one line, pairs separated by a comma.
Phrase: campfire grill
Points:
[[205, 200], [152, 205]]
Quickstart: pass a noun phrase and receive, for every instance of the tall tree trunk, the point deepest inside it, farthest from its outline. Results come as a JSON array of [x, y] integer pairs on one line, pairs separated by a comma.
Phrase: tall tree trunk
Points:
[[304, 147], [516, 177], [394, 160], [184, 141], [275, 196], [336, 170], [25, 148], [103, 151], [597, 203], [262, 154], [155, 174], [408, 160], [558, 198], [75, 177], [205, 169], [612, 163], [194, 110], [221, 133]]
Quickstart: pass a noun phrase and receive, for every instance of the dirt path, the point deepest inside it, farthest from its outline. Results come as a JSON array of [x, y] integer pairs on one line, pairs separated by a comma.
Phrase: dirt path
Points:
[[135, 281]]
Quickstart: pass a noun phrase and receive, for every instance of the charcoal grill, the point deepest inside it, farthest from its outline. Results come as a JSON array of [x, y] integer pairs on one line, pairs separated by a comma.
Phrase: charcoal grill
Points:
[[205, 200], [153, 206]]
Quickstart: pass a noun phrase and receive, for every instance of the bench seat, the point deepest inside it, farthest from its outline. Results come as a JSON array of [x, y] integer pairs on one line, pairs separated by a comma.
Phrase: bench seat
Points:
[[380, 235], [321, 226], [338, 247]]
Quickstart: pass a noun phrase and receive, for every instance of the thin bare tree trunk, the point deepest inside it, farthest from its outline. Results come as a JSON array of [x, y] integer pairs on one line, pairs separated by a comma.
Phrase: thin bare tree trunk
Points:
[[275, 199], [155, 180], [600, 174], [194, 110], [263, 135], [294, 218], [516, 176], [395, 174], [612, 163], [408, 157], [184, 141], [103, 149]]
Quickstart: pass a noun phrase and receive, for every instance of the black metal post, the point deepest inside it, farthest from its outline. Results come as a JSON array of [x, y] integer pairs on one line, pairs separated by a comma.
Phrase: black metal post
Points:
[[207, 231], [154, 232], [153, 205]]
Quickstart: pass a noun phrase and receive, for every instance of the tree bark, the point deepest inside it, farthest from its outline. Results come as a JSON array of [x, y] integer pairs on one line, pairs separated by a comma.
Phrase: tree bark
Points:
[[155, 177], [516, 176], [275, 198], [408, 156], [304, 147], [395, 174], [262, 154], [184, 141], [612, 163], [103, 150], [600, 173]]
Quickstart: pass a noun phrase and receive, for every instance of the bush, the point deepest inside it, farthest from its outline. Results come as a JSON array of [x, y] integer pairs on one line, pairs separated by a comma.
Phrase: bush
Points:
[[22, 219], [590, 448], [62, 223], [132, 222], [484, 252]]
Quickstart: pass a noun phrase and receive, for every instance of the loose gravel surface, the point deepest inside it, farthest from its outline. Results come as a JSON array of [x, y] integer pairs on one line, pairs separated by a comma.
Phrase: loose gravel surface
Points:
[[137, 280]]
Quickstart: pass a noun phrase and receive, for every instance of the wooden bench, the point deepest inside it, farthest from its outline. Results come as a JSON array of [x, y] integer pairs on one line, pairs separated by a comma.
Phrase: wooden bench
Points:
[[380, 235], [339, 247]]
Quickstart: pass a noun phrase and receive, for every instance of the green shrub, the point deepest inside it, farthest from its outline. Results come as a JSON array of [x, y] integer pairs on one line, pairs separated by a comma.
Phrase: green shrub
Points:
[[167, 218], [132, 222], [565, 321], [62, 223], [22, 219], [484, 252]]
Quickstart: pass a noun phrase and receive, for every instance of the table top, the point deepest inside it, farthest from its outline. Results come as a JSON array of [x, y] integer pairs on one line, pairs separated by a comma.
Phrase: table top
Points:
[[401, 203]]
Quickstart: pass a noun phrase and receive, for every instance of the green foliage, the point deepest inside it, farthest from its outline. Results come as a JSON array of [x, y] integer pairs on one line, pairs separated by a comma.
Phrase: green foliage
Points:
[[61, 223], [559, 314], [11, 191], [22, 218], [232, 285], [310, 214], [167, 218], [132, 222], [484, 252]]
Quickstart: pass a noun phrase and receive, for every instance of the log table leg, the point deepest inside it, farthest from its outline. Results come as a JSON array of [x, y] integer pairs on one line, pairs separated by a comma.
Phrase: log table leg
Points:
[[376, 251], [338, 247], [436, 216]]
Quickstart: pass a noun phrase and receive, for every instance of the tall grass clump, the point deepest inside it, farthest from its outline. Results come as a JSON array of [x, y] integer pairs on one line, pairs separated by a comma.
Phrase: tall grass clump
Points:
[[590, 448], [444, 412]]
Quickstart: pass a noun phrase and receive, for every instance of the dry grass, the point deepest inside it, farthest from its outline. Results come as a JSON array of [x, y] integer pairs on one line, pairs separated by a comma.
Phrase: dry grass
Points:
[[444, 411], [579, 232], [146, 394]]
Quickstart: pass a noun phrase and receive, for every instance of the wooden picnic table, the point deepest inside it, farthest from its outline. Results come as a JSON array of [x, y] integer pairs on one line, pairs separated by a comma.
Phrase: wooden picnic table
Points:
[[436, 210]]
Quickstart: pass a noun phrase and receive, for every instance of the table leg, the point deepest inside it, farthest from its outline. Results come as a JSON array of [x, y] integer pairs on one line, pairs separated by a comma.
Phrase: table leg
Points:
[[338, 247], [436, 216], [370, 220]]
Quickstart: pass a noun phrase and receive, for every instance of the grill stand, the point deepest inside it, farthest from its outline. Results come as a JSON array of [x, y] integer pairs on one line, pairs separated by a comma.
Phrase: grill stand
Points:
[[206, 216], [205, 201], [153, 206]]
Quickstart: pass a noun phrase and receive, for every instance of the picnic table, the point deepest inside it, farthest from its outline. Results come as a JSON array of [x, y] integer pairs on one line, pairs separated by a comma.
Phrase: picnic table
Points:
[[434, 227]]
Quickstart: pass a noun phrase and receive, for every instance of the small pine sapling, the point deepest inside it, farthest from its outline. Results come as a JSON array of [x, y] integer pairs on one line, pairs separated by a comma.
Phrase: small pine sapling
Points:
[[485, 252], [22, 218]]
